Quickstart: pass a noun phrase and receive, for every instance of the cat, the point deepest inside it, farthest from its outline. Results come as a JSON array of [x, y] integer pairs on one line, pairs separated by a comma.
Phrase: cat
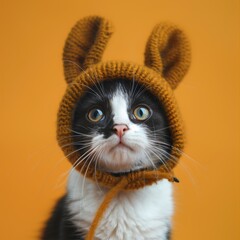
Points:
[[122, 127]]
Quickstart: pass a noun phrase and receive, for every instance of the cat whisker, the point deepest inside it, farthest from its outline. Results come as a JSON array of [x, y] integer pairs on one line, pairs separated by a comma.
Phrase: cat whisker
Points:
[[152, 163], [92, 159], [84, 156], [81, 172], [84, 135], [84, 127], [149, 159], [84, 177], [98, 85], [161, 143], [175, 148], [175, 160], [95, 168], [80, 134], [161, 129], [139, 92], [87, 144], [80, 160], [101, 87], [75, 131], [66, 156], [92, 91], [133, 91], [83, 70], [132, 88], [187, 156], [160, 158]]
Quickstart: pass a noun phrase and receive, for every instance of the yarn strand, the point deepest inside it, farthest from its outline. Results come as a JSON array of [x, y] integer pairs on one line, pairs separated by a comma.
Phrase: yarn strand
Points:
[[108, 198], [122, 184]]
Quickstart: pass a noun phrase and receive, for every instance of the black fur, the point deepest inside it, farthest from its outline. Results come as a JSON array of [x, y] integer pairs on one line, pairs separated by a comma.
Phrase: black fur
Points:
[[99, 95], [169, 234], [59, 226]]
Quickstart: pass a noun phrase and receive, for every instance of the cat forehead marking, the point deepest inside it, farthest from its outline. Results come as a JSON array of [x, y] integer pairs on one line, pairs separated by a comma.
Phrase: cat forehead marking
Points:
[[119, 104]]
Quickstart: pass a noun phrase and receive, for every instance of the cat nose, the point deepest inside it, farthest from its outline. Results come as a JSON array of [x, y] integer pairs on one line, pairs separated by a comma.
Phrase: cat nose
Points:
[[120, 129]]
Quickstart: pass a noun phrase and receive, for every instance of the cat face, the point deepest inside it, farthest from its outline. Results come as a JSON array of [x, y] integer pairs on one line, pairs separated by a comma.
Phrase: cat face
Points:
[[120, 127]]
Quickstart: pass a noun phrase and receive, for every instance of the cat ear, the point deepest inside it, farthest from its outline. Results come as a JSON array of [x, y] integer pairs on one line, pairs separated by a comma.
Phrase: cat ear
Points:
[[85, 45], [168, 52]]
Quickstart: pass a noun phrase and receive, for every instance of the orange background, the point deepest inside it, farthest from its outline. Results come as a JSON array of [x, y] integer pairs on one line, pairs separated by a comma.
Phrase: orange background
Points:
[[33, 169]]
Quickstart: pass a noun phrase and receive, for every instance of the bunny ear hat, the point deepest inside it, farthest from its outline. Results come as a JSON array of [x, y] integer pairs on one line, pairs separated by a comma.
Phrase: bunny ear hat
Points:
[[167, 59]]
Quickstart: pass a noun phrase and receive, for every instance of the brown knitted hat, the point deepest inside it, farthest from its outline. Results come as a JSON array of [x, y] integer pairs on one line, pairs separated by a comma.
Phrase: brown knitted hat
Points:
[[167, 58]]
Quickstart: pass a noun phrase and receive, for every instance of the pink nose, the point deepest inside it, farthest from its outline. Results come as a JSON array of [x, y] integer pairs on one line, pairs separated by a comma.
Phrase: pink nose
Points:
[[120, 129]]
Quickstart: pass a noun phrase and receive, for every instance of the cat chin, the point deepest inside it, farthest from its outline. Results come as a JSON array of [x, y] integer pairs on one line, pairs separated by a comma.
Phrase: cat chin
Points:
[[115, 167], [121, 147], [120, 160]]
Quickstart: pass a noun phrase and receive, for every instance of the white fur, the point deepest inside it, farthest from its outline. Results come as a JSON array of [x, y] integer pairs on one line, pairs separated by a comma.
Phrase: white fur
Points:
[[143, 214], [119, 106], [113, 158], [132, 215]]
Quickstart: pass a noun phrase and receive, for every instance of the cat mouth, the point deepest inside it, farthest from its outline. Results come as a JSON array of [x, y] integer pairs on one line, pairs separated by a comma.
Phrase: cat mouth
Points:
[[121, 146]]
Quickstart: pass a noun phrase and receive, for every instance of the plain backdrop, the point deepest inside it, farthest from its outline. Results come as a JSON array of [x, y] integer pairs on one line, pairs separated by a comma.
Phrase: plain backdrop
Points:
[[33, 170]]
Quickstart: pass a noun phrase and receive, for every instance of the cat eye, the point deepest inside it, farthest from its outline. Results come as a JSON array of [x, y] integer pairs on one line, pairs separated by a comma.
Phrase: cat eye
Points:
[[141, 113], [95, 115]]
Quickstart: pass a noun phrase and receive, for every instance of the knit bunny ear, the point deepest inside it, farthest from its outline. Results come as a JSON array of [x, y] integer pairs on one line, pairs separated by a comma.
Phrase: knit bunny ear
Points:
[[168, 52], [85, 45]]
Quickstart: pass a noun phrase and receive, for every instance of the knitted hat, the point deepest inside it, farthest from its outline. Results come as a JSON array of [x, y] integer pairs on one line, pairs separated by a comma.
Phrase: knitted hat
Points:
[[167, 59]]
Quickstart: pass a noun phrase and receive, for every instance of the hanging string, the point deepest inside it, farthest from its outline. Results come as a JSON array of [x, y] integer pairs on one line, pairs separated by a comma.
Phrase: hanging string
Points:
[[121, 185]]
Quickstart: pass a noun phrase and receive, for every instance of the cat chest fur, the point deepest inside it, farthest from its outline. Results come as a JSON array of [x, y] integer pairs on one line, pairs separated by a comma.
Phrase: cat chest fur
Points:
[[140, 214]]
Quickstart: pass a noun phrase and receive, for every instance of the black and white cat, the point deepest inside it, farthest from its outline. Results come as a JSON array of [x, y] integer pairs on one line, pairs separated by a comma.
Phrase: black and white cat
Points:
[[122, 127]]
